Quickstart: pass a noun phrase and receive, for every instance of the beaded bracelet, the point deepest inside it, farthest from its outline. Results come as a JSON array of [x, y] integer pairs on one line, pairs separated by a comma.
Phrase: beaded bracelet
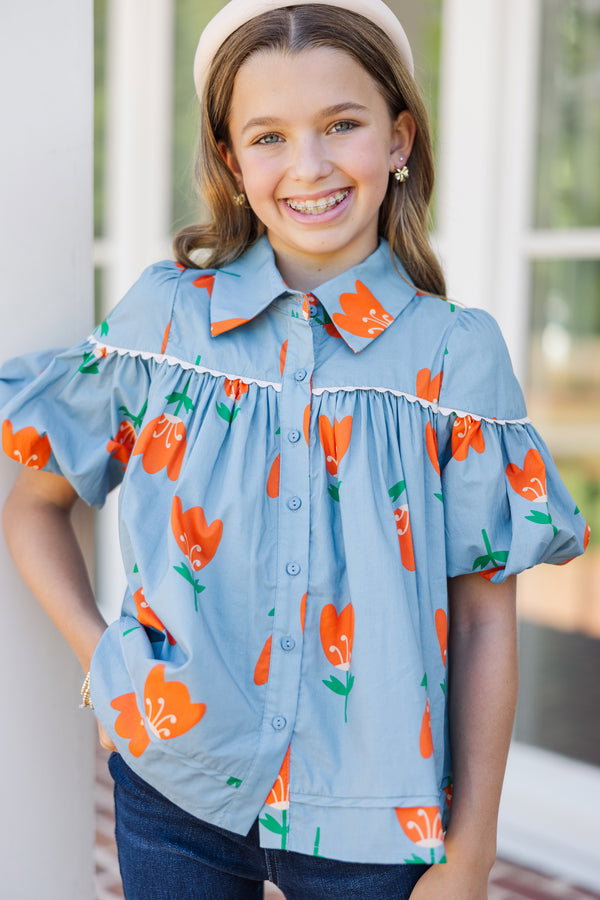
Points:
[[85, 693]]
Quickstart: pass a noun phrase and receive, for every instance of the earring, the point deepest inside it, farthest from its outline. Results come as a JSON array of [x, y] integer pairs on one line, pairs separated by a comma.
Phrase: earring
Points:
[[239, 199], [401, 174]]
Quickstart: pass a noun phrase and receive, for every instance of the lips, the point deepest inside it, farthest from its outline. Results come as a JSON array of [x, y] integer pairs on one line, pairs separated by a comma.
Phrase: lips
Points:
[[319, 205]]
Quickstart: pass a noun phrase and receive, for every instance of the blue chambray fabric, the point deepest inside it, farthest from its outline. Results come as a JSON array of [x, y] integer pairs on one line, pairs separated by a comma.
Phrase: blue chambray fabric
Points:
[[300, 475]]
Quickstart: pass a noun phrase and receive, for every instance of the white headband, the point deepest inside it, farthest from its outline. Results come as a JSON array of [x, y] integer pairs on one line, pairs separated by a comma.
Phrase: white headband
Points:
[[238, 12]]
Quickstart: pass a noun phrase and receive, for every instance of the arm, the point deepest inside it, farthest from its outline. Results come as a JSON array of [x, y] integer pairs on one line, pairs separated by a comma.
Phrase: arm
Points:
[[40, 503], [482, 695]]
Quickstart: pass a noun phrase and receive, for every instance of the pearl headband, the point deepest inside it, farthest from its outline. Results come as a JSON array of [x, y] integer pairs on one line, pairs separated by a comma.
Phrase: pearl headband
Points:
[[238, 12]]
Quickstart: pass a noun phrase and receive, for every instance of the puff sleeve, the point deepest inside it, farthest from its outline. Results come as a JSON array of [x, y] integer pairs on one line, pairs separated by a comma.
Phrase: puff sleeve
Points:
[[506, 507], [77, 411]]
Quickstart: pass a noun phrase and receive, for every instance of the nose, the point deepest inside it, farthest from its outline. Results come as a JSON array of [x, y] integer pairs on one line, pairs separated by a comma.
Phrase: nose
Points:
[[309, 161]]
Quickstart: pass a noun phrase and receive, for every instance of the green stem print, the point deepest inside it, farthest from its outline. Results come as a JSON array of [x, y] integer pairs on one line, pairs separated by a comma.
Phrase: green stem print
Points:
[[136, 421], [90, 364], [317, 842], [491, 557], [181, 399], [335, 685], [541, 518], [185, 572], [276, 827]]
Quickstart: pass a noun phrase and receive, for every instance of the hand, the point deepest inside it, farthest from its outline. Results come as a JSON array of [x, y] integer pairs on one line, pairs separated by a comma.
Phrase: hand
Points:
[[448, 881], [105, 738]]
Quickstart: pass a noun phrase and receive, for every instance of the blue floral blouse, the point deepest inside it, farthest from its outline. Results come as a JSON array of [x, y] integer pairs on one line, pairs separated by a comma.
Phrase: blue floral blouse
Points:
[[300, 475]]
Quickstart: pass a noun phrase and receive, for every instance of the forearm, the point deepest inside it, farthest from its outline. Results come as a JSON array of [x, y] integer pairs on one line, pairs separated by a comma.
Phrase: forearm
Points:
[[46, 552], [483, 679]]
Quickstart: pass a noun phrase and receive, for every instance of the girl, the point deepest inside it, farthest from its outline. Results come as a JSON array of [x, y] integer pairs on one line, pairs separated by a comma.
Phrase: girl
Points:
[[329, 485]]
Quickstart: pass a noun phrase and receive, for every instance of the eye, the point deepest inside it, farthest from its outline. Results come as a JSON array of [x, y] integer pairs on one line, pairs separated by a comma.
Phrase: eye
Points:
[[345, 125], [270, 138]]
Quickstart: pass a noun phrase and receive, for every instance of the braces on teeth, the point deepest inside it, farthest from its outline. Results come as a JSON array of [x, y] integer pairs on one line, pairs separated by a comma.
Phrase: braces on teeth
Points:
[[317, 206]]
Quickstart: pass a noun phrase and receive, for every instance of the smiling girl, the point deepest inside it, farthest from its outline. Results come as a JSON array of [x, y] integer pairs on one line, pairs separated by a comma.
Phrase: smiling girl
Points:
[[329, 485]]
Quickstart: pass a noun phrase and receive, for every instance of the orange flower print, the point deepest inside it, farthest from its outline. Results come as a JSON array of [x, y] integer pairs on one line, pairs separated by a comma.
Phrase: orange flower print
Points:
[[431, 445], [423, 826], [447, 789], [278, 798], [337, 637], [303, 610], [335, 439], [428, 388], [121, 446], [235, 388], [198, 540], [162, 445], [165, 339], [407, 553], [27, 445], [306, 424], [426, 738], [130, 723], [282, 356], [530, 483], [466, 432], [225, 325], [147, 616], [441, 629], [363, 314], [205, 281], [273, 479], [168, 709], [261, 669]]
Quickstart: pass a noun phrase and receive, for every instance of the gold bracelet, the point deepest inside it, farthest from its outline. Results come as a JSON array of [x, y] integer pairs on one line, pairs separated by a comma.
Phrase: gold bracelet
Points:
[[85, 693]]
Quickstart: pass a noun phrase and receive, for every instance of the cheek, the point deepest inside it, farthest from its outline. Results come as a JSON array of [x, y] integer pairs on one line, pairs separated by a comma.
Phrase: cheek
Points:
[[260, 175]]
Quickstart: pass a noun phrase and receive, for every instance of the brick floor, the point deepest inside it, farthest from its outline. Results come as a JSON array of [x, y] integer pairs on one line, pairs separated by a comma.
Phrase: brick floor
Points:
[[507, 881]]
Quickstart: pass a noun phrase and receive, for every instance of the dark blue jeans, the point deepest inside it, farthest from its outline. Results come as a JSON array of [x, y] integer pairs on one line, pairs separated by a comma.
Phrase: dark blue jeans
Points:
[[167, 854]]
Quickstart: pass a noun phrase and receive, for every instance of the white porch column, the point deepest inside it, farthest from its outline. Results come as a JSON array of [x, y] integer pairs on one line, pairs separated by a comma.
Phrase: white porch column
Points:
[[46, 751]]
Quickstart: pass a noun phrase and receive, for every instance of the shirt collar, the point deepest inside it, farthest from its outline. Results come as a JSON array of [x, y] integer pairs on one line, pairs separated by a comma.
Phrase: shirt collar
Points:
[[361, 302]]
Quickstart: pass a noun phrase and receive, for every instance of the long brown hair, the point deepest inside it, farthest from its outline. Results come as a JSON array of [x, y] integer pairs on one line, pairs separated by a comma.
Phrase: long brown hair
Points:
[[404, 212]]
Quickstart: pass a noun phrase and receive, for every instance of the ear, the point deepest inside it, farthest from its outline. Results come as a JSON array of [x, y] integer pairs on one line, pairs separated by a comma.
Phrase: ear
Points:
[[404, 129], [230, 160]]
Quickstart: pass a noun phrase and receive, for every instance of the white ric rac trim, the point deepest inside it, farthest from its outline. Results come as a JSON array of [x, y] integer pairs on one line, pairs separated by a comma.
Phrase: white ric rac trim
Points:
[[431, 404], [175, 361]]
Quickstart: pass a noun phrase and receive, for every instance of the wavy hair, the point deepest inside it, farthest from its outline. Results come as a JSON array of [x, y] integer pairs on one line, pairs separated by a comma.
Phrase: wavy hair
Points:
[[403, 215]]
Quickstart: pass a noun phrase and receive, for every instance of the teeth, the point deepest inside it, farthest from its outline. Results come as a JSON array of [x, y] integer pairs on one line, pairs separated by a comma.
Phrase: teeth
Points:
[[314, 207]]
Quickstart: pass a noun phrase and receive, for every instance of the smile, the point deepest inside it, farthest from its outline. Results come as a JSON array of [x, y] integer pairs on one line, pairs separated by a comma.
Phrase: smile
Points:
[[323, 204]]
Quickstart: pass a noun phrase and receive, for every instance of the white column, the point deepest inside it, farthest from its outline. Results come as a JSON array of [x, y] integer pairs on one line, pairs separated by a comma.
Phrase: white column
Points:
[[46, 751], [138, 193], [470, 157]]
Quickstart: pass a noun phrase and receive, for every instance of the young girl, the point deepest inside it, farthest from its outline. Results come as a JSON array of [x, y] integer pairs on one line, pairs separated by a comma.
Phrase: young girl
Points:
[[329, 483]]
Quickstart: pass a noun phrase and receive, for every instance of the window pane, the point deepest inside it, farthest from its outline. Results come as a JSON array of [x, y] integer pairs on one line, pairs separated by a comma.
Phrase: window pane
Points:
[[567, 172], [560, 606]]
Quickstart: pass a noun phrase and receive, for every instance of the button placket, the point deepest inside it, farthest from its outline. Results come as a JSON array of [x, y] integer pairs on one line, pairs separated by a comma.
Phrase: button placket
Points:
[[293, 528]]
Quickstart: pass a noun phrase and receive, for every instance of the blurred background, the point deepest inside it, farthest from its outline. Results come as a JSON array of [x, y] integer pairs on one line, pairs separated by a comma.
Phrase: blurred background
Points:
[[513, 91]]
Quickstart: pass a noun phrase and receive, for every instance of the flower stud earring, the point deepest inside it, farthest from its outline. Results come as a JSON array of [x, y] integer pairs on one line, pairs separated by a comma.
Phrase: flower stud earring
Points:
[[401, 174], [239, 199]]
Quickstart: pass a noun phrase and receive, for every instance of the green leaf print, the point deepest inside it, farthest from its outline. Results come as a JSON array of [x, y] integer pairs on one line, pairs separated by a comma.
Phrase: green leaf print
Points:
[[334, 684], [226, 413], [103, 328], [181, 398], [234, 782], [136, 421], [396, 490], [492, 557], [185, 572], [334, 491], [90, 364], [539, 517], [273, 825], [415, 860]]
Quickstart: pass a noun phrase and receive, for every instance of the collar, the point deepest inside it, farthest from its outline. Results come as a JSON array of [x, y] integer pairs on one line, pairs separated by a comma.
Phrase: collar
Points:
[[251, 283]]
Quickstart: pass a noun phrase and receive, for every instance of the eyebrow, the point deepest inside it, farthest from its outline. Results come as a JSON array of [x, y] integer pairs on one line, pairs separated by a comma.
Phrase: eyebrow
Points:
[[270, 121]]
